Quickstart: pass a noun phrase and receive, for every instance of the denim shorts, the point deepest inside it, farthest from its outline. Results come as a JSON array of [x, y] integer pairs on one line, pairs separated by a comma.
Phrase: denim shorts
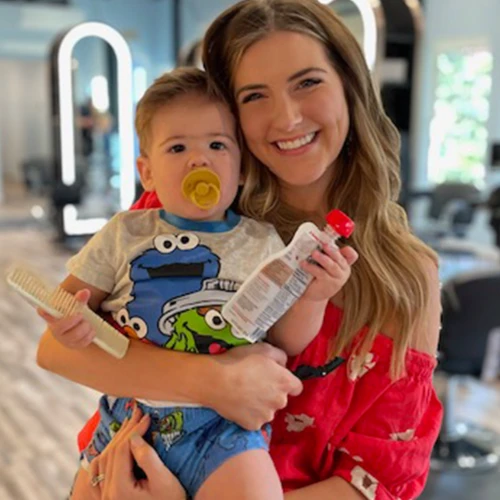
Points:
[[192, 442]]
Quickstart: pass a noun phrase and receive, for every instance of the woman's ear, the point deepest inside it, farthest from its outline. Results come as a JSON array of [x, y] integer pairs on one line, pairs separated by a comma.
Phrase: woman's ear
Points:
[[145, 173]]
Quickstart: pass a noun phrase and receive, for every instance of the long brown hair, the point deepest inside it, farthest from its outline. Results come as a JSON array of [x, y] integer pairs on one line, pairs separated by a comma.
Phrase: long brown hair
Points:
[[388, 283]]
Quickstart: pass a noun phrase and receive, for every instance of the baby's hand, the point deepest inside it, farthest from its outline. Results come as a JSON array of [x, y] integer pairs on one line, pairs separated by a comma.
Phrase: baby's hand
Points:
[[73, 332], [331, 272]]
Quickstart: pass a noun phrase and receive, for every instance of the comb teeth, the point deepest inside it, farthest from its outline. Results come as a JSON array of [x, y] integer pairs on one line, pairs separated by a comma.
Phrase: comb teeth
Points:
[[60, 303], [64, 302], [32, 288]]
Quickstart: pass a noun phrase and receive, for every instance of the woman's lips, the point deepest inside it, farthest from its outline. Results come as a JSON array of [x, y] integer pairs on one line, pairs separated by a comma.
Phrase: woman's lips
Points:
[[300, 149]]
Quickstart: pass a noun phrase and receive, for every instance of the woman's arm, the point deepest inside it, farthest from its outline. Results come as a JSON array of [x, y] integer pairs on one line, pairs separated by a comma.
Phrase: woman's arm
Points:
[[298, 327], [145, 371], [153, 373]]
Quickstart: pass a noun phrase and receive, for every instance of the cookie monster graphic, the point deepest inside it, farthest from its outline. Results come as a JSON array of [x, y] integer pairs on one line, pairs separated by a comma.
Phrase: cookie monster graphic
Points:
[[176, 265], [194, 322]]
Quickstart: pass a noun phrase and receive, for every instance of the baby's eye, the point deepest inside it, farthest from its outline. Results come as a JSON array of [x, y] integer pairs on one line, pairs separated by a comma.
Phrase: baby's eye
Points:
[[177, 148], [309, 82], [251, 97], [217, 145]]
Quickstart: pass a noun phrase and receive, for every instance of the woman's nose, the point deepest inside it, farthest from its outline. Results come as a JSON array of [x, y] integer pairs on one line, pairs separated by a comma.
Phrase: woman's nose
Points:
[[287, 114]]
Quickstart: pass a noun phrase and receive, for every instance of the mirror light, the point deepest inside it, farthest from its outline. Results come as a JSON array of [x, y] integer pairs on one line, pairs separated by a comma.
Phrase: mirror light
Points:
[[78, 227], [365, 8], [125, 110]]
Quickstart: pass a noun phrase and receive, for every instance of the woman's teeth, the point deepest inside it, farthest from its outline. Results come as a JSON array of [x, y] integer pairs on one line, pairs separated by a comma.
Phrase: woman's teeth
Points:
[[297, 143]]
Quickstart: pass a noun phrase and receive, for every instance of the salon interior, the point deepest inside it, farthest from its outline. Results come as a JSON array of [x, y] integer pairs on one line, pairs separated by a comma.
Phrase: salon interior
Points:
[[72, 72]]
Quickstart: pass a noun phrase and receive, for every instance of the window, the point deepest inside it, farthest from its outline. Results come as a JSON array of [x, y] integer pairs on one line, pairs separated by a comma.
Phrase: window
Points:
[[458, 134]]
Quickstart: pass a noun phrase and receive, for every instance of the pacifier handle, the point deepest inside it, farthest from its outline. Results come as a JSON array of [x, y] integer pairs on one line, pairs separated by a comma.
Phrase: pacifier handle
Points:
[[202, 188]]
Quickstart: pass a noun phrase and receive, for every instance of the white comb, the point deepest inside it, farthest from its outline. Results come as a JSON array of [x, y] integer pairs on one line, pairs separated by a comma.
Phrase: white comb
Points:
[[60, 303]]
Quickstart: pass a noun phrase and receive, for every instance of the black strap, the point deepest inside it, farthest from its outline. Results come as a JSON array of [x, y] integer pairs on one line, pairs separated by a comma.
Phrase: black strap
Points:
[[306, 372]]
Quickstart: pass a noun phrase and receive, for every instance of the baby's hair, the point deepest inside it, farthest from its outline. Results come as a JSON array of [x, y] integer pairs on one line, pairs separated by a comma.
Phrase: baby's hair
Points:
[[169, 86]]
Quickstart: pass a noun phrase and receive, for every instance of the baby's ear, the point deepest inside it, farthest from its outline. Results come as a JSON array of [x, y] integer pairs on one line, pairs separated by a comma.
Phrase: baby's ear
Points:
[[145, 173]]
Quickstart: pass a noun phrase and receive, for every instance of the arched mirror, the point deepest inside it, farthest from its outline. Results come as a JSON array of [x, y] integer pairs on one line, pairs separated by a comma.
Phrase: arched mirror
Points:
[[365, 19], [92, 127]]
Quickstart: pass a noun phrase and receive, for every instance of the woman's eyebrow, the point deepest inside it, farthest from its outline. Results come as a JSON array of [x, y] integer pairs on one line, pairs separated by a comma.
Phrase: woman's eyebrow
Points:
[[260, 86]]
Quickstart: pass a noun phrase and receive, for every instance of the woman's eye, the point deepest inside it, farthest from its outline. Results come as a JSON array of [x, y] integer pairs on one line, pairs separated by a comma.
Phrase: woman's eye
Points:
[[177, 148], [309, 82], [251, 97], [217, 145]]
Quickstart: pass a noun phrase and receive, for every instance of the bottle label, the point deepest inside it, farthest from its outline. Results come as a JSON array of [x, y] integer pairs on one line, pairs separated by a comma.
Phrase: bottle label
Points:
[[269, 293]]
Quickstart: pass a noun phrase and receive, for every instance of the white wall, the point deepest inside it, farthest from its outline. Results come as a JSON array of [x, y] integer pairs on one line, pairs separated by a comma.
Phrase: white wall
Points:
[[24, 115]]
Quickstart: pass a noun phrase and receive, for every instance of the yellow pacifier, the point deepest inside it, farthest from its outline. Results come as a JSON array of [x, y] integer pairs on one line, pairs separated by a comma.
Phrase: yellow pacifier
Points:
[[202, 188]]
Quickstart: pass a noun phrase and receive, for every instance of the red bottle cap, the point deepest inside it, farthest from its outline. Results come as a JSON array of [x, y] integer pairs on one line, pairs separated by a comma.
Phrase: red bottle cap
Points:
[[340, 223]]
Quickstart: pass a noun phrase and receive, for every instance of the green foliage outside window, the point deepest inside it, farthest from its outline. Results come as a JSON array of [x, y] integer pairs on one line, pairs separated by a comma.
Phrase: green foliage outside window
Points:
[[458, 132]]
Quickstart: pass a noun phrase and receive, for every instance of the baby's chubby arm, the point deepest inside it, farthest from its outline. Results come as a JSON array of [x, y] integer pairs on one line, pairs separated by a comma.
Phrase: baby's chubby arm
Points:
[[302, 322]]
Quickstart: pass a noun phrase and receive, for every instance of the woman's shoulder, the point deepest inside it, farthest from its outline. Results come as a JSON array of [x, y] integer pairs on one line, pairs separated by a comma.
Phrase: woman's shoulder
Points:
[[425, 334]]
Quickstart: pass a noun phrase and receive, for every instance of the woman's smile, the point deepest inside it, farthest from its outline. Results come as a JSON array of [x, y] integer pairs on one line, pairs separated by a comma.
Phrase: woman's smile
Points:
[[297, 145]]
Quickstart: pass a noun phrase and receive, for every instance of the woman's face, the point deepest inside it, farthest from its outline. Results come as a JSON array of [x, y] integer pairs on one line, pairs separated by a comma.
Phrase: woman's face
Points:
[[293, 111]]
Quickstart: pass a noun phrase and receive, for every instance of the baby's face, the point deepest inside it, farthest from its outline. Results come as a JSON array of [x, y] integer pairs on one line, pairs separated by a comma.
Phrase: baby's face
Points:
[[188, 133]]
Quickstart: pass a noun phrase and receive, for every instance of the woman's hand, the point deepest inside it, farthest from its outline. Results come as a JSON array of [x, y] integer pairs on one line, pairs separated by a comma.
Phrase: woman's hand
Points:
[[331, 269], [254, 384], [112, 471]]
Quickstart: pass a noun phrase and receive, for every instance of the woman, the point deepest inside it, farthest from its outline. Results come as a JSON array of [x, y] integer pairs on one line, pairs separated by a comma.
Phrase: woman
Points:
[[317, 138]]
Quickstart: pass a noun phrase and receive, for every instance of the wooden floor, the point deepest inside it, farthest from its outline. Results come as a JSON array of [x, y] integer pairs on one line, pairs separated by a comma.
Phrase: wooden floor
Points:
[[40, 413]]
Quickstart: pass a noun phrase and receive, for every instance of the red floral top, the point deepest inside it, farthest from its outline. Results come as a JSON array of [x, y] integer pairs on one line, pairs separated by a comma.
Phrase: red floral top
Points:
[[357, 424]]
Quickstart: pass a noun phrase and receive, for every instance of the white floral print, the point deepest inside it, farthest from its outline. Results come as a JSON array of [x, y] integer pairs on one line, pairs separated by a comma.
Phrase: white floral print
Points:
[[364, 482], [357, 369], [407, 435], [297, 423]]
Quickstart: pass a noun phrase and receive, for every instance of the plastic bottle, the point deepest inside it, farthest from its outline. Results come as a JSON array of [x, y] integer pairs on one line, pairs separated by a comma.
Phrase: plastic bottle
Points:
[[279, 280]]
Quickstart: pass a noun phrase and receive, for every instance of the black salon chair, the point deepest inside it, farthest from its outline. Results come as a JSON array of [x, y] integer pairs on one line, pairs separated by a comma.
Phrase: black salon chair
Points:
[[452, 207], [451, 210], [493, 204], [470, 331]]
